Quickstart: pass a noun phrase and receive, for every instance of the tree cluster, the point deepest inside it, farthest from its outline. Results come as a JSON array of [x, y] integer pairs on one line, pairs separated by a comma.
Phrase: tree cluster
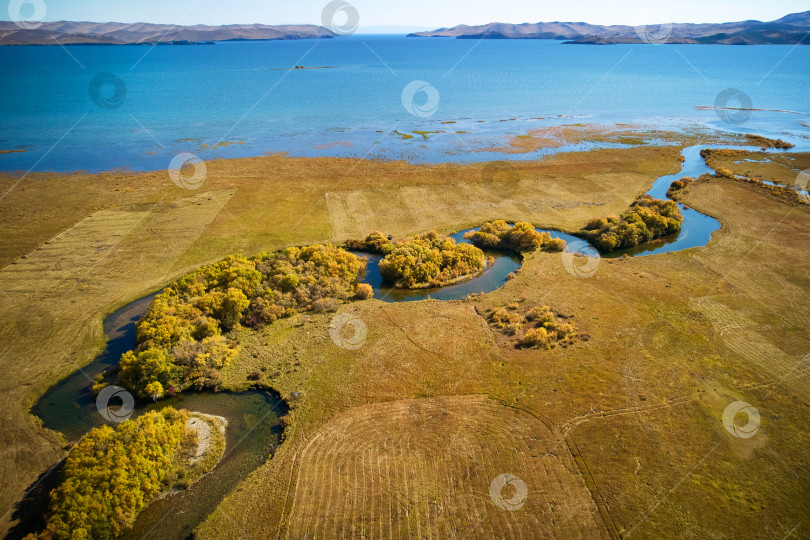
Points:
[[646, 220], [678, 185], [521, 237], [376, 242], [430, 260], [537, 327], [185, 339], [112, 474]]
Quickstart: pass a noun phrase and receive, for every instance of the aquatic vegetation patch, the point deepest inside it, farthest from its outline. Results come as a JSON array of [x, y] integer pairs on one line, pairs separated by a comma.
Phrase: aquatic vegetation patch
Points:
[[112, 474], [519, 237], [646, 220]]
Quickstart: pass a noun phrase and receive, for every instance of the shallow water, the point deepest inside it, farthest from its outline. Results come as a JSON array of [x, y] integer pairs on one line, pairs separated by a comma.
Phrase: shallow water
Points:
[[253, 431], [491, 279], [697, 228], [178, 99]]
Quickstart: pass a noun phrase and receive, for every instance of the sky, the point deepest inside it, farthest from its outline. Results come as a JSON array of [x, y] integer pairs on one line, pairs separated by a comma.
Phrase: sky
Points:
[[413, 13]]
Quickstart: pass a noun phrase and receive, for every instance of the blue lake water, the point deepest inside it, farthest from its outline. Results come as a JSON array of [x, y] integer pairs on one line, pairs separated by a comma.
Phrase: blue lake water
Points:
[[173, 99]]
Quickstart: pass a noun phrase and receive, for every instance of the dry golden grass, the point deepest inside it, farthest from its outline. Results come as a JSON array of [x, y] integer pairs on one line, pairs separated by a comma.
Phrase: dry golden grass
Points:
[[783, 168], [632, 416], [422, 468], [674, 340], [114, 237]]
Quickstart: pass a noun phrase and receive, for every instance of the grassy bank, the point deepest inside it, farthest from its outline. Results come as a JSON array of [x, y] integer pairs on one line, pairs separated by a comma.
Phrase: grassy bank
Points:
[[627, 414]]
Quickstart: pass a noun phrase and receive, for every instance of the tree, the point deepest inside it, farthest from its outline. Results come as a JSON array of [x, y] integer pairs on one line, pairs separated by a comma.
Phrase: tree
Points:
[[154, 390], [183, 340], [521, 237], [233, 307], [645, 220]]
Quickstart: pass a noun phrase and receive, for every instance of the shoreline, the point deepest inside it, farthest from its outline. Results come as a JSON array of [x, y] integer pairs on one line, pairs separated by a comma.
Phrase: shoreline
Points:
[[488, 262], [526, 140]]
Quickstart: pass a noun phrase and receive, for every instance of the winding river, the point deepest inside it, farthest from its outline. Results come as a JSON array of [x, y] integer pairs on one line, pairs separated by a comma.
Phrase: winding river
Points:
[[254, 430]]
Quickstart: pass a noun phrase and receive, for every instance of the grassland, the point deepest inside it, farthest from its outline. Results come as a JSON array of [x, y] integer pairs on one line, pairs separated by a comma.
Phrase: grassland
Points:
[[617, 435]]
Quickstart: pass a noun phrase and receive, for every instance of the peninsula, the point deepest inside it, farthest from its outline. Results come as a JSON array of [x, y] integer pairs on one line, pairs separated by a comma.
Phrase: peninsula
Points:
[[791, 29]]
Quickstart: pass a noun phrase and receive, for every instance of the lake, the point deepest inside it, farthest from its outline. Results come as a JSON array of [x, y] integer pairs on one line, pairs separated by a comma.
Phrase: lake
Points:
[[161, 101]]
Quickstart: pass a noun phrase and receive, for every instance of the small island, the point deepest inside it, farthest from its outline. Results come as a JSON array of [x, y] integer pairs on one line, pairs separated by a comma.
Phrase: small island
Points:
[[113, 474], [423, 262], [519, 238], [647, 219]]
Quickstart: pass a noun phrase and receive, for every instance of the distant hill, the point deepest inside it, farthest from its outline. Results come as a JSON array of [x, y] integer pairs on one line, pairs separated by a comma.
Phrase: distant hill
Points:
[[90, 33], [791, 29]]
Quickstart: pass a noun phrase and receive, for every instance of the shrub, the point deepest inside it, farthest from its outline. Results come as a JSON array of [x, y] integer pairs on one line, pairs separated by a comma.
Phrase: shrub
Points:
[[646, 220], [112, 474], [555, 244], [181, 341], [512, 328], [678, 185], [535, 337], [522, 236], [376, 242], [322, 305], [430, 260], [500, 317], [595, 224], [537, 327], [363, 291]]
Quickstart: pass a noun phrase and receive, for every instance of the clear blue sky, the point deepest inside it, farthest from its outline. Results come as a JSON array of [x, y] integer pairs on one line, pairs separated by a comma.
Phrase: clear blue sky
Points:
[[426, 13]]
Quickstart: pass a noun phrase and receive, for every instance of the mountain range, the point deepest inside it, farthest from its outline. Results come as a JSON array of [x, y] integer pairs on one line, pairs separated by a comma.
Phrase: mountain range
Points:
[[91, 33], [791, 29]]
